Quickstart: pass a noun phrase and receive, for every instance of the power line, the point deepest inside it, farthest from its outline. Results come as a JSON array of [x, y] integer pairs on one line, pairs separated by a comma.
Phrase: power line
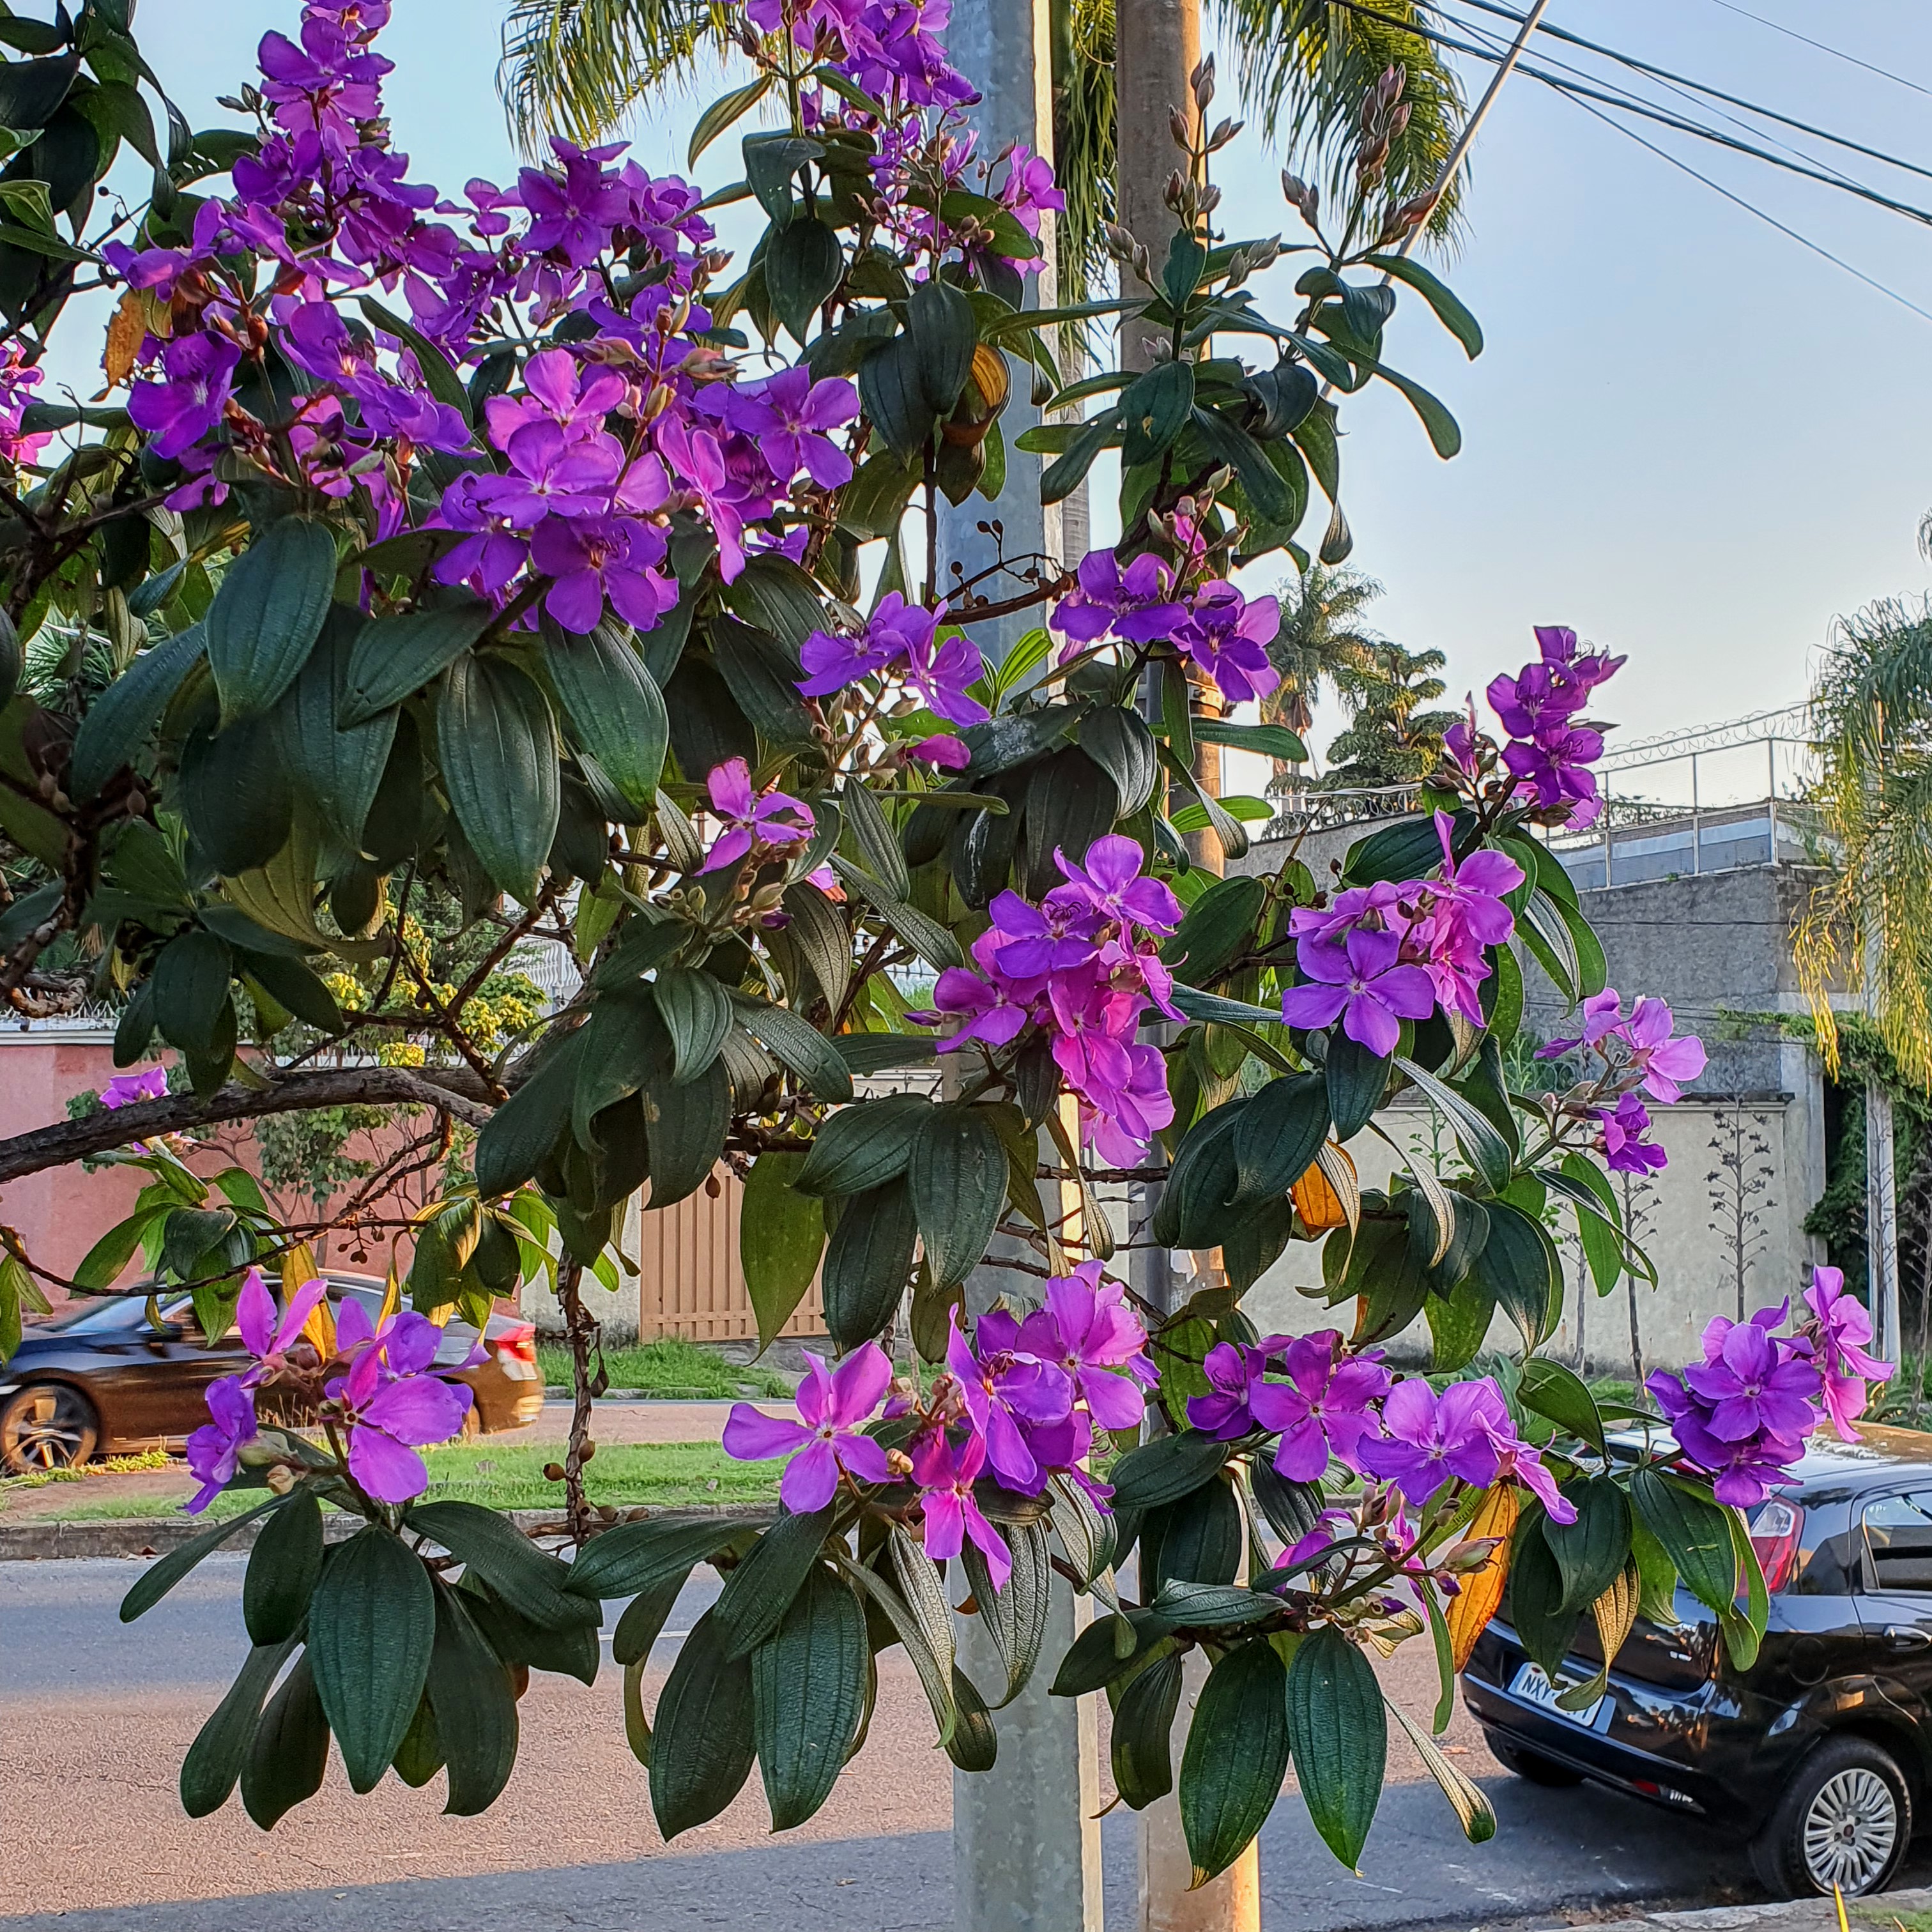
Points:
[[1837, 53], [1702, 87]]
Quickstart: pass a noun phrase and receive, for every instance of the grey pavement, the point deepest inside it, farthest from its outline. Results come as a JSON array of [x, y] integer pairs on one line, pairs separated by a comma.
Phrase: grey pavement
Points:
[[1555, 1853]]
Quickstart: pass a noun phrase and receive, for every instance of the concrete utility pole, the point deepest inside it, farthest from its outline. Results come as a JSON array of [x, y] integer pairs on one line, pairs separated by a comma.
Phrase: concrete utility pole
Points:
[[1026, 1835]]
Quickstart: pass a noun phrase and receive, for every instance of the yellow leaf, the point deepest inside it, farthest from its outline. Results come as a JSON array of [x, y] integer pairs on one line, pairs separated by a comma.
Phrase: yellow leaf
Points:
[[1470, 1610], [125, 335], [299, 1267]]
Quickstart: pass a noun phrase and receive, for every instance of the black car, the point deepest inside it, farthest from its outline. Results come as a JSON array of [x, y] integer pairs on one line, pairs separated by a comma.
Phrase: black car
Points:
[[104, 1377], [1821, 1752]]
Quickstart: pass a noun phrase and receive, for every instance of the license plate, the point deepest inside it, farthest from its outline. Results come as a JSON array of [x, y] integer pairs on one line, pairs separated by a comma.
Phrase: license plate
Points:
[[1532, 1684]]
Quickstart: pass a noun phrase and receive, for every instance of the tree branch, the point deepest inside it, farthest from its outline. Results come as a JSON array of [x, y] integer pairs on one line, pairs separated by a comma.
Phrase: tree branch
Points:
[[456, 1092]]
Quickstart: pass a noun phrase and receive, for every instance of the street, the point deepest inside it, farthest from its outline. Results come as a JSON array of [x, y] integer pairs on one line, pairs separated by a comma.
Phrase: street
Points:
[[97, 1715]]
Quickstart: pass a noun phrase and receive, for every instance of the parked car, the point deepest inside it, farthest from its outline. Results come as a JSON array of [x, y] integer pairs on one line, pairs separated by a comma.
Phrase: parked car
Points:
[[103, 1379], [1822, 1751]]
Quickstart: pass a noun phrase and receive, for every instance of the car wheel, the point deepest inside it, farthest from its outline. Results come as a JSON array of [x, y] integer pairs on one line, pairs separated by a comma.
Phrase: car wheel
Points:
[[1844, 1820], [1531, 1764], [47, 1426]]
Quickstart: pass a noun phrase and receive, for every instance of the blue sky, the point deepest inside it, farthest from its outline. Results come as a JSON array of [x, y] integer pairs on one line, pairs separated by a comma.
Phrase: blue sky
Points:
[[1688, 437]]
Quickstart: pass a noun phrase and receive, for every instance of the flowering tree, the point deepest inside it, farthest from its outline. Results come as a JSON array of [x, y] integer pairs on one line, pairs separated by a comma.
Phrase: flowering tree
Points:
[[498, 546]]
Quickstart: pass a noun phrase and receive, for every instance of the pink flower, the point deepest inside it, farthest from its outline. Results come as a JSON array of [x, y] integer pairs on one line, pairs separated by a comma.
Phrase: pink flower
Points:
[[942, 751], [1842, 1328], [754, 824], [831, 1406], [124, 1089], [945, 1476], [1323, 1408], [214, 1449], [1088, 1329], [394, 1405], [265, 1338]]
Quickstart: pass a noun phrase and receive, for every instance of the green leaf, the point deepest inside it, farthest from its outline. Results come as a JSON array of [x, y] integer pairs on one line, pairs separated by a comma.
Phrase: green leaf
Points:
[[191, 981], [1236, 1757], [807, 1689], [337, 768], [696, 1012], [1590, 1552], [771, 161], [780, 1238], [475, 1702], [1695, 1532], [705, 1739], [393, 657], [1067, 472], [1340, 1735], [869, 1261], [1518, 1265], [1165, 1469], [1449, 311], [943, 333], [1535, 1601], [1217, 928], [1356, 1080], [863, 1146], [1192, 1208], [1470, 1804], [957, 1173], [642, 1623], [821, 937], [1142, 1747], [1266, 741], [1264, 487], [522, 1132], [799, 1045], [1154, 410], [235, 795], [496, 741], [1486, 1151], [723, 112], [283, 1569], [937, 1677], [154, 1583], [877, 844], [636, 1558], [537, 1586], [1407, 850], [1744, 1630], [32, 91], [268, 614], [372, 1624], [1557, 1393], [288, 1755], [292, 984], [119, 721], [1179, 1604], [1279, 1134], [803, 264], [894, 399], [1118, 741], [761, 676], [1445, 436], [214, 1759], [759, 1591], [616, 712], [1015, 1618], [687, 1125]]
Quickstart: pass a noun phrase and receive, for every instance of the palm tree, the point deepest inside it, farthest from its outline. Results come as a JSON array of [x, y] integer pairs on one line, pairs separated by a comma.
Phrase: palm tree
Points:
[[1321, 640], [582, 67], [1391, 739]]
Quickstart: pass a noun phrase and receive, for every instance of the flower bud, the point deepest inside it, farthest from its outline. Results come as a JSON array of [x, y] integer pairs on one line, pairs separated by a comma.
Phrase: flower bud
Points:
[[1394, 80], [1223, 134], [1209, 199], [1201, 80], [1176, 190], [281, 1479], [1177, 126]]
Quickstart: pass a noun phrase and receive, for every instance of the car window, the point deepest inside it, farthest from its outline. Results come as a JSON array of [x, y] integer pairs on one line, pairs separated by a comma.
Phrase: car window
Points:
[[96, 1317], [1898, 1539]]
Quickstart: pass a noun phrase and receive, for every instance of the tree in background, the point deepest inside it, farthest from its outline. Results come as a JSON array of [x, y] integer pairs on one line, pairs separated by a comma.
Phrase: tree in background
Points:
[[1739, 1187], [1390, 738], [583, 67]]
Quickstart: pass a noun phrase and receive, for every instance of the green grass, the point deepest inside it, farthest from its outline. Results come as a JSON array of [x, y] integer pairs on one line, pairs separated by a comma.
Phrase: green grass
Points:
[[625, 1474], [672, 1368]]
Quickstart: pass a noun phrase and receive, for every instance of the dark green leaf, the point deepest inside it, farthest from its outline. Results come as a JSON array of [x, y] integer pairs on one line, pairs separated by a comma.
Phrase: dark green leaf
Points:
[[282, 1568], [803, 264], [1217, 928], [154, 1583], [942, 333], [336, 768], [878, 845], [1015, 1618], [292, 984], [1591, 1552], [1154, 410], [759, 1591], [372, 1624], [697, 1012], [1279, 1134], [799, 1045], [289, 1754], [1165, 1469], [1407, 850], [214, 1759], [705, 1739], [1143, 1731], [537, 1586], [894, 399], [957, 1173], [863, 1146], [1236, 1757], [522, 1131], [1518, 1265], [687, 1124], [1696, 1534], [869, 1261], [1339, 1731], [1449, 311], [1197, 1539], [268, 614], [191, 982], [807, 1689], [1356, 1080], [1117, 740], [1535, 1601], [615, 711], [771, 161], [780, 1238], [723, 112], [643, 1623], [1263, 486], [235, 794], [636, 1558], [1486, 1151], [475, 1704], [393, 657], [118, 721], [32, 91], [439, 376], [1192, 1208], [1557, 1393], [496, 741]]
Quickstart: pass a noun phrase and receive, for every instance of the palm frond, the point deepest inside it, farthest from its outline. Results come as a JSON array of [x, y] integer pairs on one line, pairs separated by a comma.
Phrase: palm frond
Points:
[[581, 68], [1872, 722], [1084, 140], [1304, 67]]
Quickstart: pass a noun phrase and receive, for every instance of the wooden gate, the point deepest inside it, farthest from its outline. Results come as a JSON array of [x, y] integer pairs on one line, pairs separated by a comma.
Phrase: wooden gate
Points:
[[690, 1282]]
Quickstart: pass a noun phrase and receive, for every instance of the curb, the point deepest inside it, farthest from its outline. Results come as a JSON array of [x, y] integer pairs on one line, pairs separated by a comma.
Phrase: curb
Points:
[[155, 1536], [1799, 1915]]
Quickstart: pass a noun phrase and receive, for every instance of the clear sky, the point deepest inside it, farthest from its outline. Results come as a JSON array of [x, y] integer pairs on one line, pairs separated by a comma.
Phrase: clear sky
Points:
[[1688, 437]]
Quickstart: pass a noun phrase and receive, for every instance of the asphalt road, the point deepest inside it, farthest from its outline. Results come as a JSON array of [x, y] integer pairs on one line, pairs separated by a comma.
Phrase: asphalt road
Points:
[[95, 1716]]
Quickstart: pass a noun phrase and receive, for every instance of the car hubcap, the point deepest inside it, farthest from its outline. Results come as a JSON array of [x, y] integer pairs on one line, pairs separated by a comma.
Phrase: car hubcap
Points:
[[1849, 1831]]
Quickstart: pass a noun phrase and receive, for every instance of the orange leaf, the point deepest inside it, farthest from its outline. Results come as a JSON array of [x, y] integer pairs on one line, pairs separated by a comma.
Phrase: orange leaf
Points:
[[125, 335], [1470, 1611], [1316, 1201]]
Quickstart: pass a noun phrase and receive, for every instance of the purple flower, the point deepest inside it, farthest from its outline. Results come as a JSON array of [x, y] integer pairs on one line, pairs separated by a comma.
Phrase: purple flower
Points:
[[1004, 1392], [1360, 983], [614, 557], [940, 667], [942, 752], [199, 373], [1027, 942], [791, 417], [945, 1477], [1664, 1063], [1087, 1328], [265, 1338], [832, 1405], [1752, 1384], [1108, 884], [698, 459], [754, 824], [1745, 1471], [124, 1089], [1432, 1439], [1517, 1461], [1234, 1373], [1227, 636], [1625, 1150], [994, 1010], [214, 1450], [1842, 1328], [574, 216], [550, 473], [1322, 1409], [1134, 603], [394, 1405]]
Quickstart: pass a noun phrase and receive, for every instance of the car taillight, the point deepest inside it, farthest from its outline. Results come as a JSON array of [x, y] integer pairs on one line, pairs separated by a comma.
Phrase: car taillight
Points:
[[520, 1343], [1775, 1532]]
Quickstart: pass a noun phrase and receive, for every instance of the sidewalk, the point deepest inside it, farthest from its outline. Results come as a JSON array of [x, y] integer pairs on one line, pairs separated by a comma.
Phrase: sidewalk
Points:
[[1911, 1908]]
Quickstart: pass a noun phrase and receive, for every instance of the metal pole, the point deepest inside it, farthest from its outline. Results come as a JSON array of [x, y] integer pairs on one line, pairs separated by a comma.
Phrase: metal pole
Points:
[[1610, 878], [1770, 774], [1696, 822]]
